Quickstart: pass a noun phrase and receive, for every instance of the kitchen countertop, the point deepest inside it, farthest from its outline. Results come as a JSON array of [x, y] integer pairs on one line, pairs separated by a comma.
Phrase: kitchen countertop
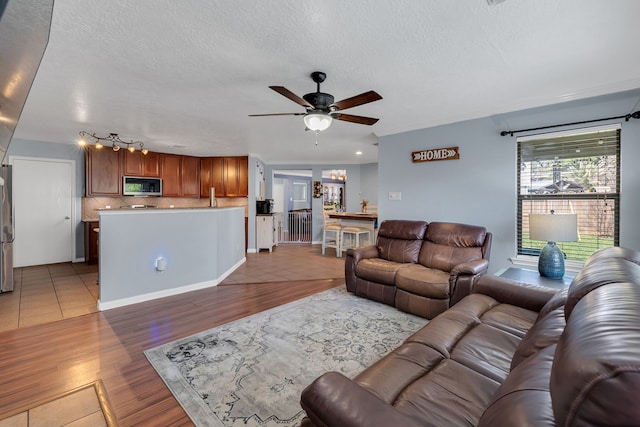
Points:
[[149, 210]]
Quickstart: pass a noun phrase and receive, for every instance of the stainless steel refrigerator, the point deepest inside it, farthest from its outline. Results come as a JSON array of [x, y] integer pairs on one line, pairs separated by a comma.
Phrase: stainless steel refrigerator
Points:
[[6, 222], [24, 34]]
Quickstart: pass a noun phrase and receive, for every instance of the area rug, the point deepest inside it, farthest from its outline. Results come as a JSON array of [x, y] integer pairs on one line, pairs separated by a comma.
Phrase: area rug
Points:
[[251, 372]]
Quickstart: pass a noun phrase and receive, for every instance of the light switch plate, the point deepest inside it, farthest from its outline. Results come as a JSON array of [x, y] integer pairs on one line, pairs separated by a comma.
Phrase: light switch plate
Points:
[[395, 195]]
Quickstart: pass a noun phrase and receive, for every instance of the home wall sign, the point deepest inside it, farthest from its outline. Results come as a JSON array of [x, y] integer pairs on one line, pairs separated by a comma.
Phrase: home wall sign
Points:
[[449, 153]]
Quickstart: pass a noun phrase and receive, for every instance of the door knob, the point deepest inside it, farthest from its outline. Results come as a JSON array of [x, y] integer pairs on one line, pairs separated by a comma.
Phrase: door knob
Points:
[[67, 217]]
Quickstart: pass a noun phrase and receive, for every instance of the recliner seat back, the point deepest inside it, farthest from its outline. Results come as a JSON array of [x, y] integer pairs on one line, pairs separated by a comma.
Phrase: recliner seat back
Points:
[[401, 240], [448, 244]]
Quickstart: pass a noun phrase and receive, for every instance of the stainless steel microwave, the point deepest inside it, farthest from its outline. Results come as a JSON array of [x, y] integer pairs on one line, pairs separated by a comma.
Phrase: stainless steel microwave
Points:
[[141, 186]]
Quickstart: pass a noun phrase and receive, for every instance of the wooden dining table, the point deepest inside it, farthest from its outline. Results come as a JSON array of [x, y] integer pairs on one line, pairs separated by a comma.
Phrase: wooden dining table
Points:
[[358, 219]]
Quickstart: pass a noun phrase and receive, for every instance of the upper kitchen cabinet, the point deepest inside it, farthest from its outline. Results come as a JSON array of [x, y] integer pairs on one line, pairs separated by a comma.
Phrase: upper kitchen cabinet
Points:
[[190, 176], [228, 175], [138, 164], [180, 176], [212, 175], [103, 172], [236, 176]]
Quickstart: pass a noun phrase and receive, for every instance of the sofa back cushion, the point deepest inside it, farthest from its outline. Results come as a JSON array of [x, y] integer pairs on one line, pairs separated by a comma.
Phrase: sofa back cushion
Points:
[[400, 240], [595, 376], [609, 265], [448, 244]]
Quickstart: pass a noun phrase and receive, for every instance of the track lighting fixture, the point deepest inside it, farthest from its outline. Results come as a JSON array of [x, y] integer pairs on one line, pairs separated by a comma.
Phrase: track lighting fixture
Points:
[[112, 140]]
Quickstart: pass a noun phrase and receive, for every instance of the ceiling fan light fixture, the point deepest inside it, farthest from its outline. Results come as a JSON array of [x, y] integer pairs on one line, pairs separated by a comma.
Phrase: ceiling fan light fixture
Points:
[[317, 121]]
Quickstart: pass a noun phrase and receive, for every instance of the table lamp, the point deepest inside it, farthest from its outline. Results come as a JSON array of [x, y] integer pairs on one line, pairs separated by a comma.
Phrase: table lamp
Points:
[[552, 228]]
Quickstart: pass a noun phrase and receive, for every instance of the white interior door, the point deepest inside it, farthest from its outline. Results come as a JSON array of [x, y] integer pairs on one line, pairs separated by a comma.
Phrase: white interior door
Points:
[[43, 192]]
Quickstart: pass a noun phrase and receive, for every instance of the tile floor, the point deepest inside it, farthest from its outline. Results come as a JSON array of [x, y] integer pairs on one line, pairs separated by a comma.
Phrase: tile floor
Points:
[[78, 409], [47, 293]]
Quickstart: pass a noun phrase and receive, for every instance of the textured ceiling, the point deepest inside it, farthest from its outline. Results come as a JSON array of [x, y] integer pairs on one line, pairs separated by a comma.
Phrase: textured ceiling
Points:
[[183, 76]]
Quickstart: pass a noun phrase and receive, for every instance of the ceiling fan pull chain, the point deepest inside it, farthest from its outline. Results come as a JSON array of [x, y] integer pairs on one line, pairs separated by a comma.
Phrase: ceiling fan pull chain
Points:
[[317, 132]]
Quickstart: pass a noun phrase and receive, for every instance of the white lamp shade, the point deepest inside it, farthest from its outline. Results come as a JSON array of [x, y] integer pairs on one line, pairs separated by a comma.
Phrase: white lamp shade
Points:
[[317, 122], [553, 227]]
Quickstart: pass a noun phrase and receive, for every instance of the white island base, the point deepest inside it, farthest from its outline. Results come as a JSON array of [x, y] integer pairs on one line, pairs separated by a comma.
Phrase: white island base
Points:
[[154, 253]]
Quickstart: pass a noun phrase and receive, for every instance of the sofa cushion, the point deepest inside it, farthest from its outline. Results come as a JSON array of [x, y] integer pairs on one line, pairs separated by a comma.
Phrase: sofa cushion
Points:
[[523, 399], [449, 395], [378, 270], [595, 376], [448, 244], [469, 333], [420, 280], [400, 240], [443, 257], [389, 376], [545, 331], [596, 274], [456, 235]]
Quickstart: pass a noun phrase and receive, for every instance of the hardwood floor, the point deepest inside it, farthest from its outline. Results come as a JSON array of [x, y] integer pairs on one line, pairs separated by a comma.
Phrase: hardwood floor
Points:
[[43, 361]]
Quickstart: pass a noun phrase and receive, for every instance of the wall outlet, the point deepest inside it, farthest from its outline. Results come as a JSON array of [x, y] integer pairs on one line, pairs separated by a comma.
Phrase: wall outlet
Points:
[[395, 195]]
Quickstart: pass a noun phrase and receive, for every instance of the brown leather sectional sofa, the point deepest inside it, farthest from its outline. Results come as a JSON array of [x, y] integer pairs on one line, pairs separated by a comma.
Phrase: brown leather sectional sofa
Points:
[[509, 354], [419, 267]]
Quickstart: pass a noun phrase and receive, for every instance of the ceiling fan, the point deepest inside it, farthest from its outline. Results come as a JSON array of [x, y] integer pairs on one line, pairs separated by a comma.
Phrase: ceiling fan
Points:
[[321, 109]]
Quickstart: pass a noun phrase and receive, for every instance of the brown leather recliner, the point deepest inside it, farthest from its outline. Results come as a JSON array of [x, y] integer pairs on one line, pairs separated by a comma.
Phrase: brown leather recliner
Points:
[[452, 258], [418, 267], [370, 271]]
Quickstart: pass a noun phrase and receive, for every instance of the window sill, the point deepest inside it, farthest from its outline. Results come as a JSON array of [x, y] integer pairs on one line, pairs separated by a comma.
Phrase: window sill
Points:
[[527, 261]]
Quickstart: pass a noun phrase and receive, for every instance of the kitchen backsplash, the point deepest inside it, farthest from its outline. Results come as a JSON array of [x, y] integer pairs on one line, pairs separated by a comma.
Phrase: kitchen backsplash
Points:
[[91, 205]]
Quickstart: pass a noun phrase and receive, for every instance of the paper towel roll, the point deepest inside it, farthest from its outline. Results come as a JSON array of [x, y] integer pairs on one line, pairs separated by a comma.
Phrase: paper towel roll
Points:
[[212, 197]]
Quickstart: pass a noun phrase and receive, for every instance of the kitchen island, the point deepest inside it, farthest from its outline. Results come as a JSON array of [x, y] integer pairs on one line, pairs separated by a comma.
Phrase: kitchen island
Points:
[[154, 253]]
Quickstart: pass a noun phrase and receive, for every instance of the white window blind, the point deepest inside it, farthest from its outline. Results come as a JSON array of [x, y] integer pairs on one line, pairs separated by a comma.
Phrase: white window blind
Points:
[[571, 172]]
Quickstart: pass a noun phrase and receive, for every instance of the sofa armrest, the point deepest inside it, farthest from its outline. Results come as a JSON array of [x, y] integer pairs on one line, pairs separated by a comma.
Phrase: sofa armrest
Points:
[[363, 252], [354, 255], [463, 277], [477, 266], [334, 400], [525, 295]]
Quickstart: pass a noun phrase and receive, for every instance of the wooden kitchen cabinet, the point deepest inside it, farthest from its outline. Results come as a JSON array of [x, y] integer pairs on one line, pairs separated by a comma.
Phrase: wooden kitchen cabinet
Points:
[[212, 175], [217, 176], [91, 242], [170, 175], [180, 176], [190, 176], [137, 164], [228, 175], [236, 170], [103, 172], [151, 165]]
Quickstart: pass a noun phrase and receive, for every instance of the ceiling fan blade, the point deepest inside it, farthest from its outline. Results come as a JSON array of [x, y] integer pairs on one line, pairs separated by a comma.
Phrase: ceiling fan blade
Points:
[[277, 114], [355, 119], [292, 96], [354, 101]]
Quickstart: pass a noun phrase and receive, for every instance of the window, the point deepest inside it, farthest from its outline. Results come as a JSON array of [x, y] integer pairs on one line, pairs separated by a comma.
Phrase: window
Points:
[[571, 172]]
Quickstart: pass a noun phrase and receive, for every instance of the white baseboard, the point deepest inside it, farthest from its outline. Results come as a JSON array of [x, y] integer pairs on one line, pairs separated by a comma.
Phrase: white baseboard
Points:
[[168, 292]]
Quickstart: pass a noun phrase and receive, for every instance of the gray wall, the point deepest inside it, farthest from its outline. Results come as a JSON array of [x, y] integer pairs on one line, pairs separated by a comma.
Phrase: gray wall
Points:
[[51, 150], [480, 188], [369, 182]]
